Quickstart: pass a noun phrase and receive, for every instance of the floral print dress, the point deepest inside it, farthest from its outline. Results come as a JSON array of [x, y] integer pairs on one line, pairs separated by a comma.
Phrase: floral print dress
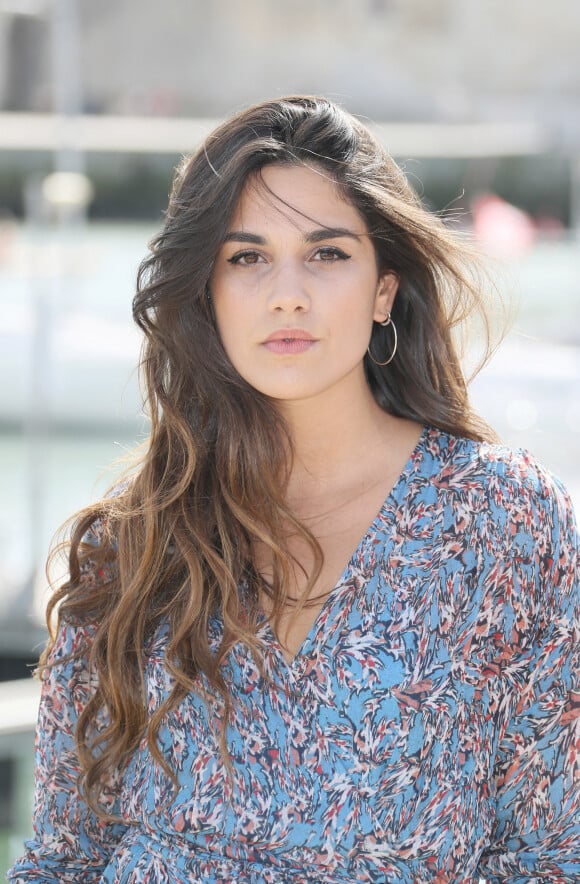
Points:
[[428, 730]]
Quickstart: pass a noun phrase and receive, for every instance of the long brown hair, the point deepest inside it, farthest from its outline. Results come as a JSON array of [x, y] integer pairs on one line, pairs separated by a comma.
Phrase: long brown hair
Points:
[[175, 541]]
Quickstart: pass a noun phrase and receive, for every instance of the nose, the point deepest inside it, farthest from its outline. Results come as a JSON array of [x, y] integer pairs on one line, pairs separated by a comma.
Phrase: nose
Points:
[[288, 292]]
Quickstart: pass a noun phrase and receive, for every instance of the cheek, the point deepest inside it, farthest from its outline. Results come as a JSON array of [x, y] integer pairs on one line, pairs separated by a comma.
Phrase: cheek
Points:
[[225, 307], [232, 325], [225, 329]]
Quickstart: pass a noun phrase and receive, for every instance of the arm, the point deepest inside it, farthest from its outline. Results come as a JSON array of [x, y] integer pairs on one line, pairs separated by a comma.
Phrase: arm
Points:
[[537, 774], [70, 843]]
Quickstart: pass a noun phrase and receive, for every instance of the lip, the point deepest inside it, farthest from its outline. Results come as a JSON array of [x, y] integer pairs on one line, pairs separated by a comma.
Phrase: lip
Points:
[[290, 334], [289, 341]]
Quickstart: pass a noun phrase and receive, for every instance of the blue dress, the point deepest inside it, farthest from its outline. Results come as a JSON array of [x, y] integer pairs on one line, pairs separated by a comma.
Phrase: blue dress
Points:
[[428, 729]]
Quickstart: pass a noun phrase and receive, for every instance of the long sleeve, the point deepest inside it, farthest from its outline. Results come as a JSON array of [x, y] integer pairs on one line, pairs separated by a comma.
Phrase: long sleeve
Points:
[[70, 844], [537, 836]]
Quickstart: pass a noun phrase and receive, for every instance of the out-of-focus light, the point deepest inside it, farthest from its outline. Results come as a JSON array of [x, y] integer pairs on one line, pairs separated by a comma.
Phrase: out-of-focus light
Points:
[[522, 414], [573, 417], [67, 189], [24, 7]]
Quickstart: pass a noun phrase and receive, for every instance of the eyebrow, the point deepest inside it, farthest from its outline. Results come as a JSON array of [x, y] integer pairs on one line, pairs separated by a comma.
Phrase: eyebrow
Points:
[[312, 236]]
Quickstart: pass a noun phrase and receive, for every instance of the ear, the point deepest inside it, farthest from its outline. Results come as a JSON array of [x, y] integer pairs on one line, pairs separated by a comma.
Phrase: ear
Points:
[[387, 287]]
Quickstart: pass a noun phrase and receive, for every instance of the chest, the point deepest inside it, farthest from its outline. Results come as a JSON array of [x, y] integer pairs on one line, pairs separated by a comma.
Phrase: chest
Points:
[[380, 731], [341, 533]]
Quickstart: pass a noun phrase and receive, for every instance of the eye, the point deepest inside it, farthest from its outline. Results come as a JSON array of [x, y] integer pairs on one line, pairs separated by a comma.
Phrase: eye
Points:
[[246, 258], [330, 254]]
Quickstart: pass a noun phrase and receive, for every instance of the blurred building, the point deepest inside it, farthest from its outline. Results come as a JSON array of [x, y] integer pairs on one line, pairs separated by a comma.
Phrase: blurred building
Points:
[[391, 59]]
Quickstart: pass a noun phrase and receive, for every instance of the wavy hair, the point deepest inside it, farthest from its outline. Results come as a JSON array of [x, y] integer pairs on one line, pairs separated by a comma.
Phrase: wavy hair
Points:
[[174, 542]]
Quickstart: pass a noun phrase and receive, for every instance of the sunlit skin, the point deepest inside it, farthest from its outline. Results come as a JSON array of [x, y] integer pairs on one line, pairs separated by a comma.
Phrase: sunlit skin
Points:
[[295, 289]]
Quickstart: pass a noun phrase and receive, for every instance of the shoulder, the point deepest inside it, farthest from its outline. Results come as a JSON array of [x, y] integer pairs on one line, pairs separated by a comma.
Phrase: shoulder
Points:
[[97, 554], [501, 493], [93, 562], [505, 476], [100, 532], [513, 520], [105, 514]]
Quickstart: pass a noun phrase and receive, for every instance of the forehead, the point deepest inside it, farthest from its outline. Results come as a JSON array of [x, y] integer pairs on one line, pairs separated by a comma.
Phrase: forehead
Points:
[[302, 196]]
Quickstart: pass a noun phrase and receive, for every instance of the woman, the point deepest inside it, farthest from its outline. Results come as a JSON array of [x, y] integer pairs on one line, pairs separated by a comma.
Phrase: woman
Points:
[[328, 629]]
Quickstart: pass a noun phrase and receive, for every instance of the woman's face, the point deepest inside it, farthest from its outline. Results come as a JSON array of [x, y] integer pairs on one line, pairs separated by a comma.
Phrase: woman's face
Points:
[[296, 287]]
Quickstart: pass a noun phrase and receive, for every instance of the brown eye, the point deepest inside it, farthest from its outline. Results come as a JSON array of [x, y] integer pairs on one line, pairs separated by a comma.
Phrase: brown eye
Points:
[[329, 254], [244, 258]]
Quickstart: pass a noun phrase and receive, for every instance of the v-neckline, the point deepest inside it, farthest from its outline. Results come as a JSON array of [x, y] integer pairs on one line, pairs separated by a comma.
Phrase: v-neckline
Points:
[[390, 503]]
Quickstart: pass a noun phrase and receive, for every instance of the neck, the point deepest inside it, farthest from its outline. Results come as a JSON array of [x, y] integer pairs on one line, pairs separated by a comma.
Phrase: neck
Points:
[[332, 434]]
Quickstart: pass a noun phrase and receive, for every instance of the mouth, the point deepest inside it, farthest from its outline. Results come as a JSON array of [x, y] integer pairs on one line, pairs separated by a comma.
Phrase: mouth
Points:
[[287, 335], [289, 342]]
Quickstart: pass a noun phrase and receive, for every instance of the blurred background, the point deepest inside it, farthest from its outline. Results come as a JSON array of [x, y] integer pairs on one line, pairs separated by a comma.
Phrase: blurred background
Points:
[[480, 103]]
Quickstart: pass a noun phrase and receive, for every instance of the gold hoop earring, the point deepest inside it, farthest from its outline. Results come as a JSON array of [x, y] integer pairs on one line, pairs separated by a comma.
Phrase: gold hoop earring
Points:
[[388, 321]]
